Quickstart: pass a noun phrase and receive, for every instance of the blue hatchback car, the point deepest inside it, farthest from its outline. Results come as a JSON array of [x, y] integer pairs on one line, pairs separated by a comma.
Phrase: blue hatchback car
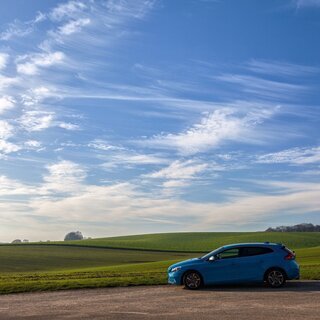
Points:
[[236, 263]]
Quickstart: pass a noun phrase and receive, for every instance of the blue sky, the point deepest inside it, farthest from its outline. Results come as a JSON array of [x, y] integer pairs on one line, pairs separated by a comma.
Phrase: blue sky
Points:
[[125, 117]]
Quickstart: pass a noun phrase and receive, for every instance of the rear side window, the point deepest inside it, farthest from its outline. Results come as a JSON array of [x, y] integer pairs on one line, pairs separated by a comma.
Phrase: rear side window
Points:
[[254, 251]]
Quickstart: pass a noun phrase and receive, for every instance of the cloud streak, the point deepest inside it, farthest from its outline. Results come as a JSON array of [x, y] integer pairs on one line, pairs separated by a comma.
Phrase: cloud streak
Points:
[[297, 156], [214, 129]]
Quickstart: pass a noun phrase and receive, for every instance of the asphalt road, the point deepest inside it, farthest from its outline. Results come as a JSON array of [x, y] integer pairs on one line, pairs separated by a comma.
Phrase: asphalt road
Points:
[[298, 300]]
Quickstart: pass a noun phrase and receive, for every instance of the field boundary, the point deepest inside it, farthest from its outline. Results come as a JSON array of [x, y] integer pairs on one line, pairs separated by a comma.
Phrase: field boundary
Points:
[[95, 247]]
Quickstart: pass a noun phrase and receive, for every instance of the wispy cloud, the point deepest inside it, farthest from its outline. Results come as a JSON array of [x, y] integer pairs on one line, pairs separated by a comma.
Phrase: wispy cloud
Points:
[[6, 132], [73, 26], [36, 120], [264, 88], [281, 68], [67, 10], [6, 103], [306, 3], [115, 156], [180, 170], [250, 208], [214, 129], [64, 176], [30, 64], [298, 156], [4, 57], [18, 28]]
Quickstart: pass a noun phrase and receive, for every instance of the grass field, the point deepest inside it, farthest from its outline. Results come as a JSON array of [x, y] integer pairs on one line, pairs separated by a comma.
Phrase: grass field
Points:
[[202, 241], [50, 258], [83, 265]]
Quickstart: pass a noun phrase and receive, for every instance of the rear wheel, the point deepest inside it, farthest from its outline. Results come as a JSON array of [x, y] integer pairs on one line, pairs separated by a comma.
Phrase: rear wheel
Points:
[[192, 280], [275, 278]]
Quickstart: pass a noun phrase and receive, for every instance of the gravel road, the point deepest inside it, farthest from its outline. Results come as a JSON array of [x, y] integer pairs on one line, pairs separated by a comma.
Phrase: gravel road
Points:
[[298, 300]]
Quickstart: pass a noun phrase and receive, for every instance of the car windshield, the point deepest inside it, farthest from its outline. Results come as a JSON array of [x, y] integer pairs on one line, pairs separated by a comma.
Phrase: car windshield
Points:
[[212, 253]]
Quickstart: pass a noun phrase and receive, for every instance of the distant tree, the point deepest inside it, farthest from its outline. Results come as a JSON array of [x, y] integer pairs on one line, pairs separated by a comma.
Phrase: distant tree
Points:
[[25, 240], [302, 227], [16, 241], [77, 235]]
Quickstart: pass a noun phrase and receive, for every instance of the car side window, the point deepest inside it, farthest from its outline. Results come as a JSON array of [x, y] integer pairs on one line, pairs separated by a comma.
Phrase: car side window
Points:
[[230, 253], [254, 251]]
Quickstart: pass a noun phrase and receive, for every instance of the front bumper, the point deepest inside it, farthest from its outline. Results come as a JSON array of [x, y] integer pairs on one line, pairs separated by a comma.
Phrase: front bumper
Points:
[[174, 277]]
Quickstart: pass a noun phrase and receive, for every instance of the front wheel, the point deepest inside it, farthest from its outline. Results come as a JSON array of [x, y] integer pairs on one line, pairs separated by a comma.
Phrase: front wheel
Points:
[[192, 280], [275, 278]]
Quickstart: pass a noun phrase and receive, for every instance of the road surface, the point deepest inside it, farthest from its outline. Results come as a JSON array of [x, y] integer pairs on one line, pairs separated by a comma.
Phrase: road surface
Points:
[[298, 300]]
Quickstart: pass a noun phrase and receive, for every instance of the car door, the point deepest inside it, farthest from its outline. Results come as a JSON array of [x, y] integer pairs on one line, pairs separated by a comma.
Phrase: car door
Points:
[[251, 263], [222, 268]]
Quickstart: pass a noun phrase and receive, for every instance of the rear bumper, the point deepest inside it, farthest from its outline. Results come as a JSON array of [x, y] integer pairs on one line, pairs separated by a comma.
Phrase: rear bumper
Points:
[[293, 273]]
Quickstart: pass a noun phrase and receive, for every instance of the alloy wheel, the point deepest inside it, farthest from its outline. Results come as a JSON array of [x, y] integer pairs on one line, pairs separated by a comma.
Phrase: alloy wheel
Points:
[[275, 278], [192, 280]]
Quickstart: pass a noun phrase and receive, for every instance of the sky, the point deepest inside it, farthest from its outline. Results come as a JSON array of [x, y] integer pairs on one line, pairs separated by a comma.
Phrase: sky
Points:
[[140, 116]]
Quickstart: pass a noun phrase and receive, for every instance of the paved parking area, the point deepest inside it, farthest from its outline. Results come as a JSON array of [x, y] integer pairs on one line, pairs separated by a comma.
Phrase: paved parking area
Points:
[[298, 300]]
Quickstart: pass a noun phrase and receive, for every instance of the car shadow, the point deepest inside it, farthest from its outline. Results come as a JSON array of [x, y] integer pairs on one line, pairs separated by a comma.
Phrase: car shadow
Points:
[[304, 286]]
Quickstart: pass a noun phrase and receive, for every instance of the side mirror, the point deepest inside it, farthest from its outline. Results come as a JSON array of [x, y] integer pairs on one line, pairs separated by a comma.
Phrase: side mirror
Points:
[[212, 258]]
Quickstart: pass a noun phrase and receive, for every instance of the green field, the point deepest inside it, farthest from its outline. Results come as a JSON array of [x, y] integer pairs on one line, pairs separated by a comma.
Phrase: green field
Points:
[[202, 241], [91, 263]]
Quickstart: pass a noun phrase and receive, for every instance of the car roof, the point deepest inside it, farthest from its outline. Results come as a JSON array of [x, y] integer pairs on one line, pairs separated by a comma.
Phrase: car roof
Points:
[[253, 244]]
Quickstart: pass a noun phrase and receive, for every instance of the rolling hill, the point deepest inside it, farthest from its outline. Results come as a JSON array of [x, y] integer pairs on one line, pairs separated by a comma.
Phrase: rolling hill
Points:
[[134, 260]]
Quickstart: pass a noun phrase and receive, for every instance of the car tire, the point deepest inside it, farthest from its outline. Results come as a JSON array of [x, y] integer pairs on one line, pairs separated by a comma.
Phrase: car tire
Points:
[[192, 280], [275, 278]]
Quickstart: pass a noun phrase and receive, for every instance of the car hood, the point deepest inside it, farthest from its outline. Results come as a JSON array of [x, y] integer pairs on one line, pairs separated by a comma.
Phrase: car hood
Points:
[[186, 262]]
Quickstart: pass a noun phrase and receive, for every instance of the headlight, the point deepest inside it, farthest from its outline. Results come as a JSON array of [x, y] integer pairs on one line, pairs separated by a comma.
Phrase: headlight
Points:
[[175, 269]]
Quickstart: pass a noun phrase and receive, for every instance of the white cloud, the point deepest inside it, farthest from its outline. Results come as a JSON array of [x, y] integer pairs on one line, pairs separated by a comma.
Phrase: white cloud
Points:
[[27, 68], [103, 145], [73, 26], [33, 144], [295, 199], [8, 147], [36, 120], [64, 176], [214, 129], [298, 156], [6, 103], [7, 81], [118, 155], [38, 94], [70, 9], [4, 57], [129, 159], [68, 126], [175, 184], [16, 29], [136, 9], [6, 129], [34, 61], [180, 170], [13, 187], [122, 202], [281, 68], [21, 29]]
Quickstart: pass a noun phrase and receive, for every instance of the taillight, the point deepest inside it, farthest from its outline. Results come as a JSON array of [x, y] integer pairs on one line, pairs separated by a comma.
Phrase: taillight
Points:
[[290, 256]]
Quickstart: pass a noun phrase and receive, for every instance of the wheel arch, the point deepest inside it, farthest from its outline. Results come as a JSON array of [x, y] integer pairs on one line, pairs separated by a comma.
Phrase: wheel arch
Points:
[[275, 268], [191, 270]]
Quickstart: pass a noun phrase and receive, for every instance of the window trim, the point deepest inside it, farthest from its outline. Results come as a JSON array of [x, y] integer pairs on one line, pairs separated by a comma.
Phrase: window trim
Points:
[[232, 257]]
